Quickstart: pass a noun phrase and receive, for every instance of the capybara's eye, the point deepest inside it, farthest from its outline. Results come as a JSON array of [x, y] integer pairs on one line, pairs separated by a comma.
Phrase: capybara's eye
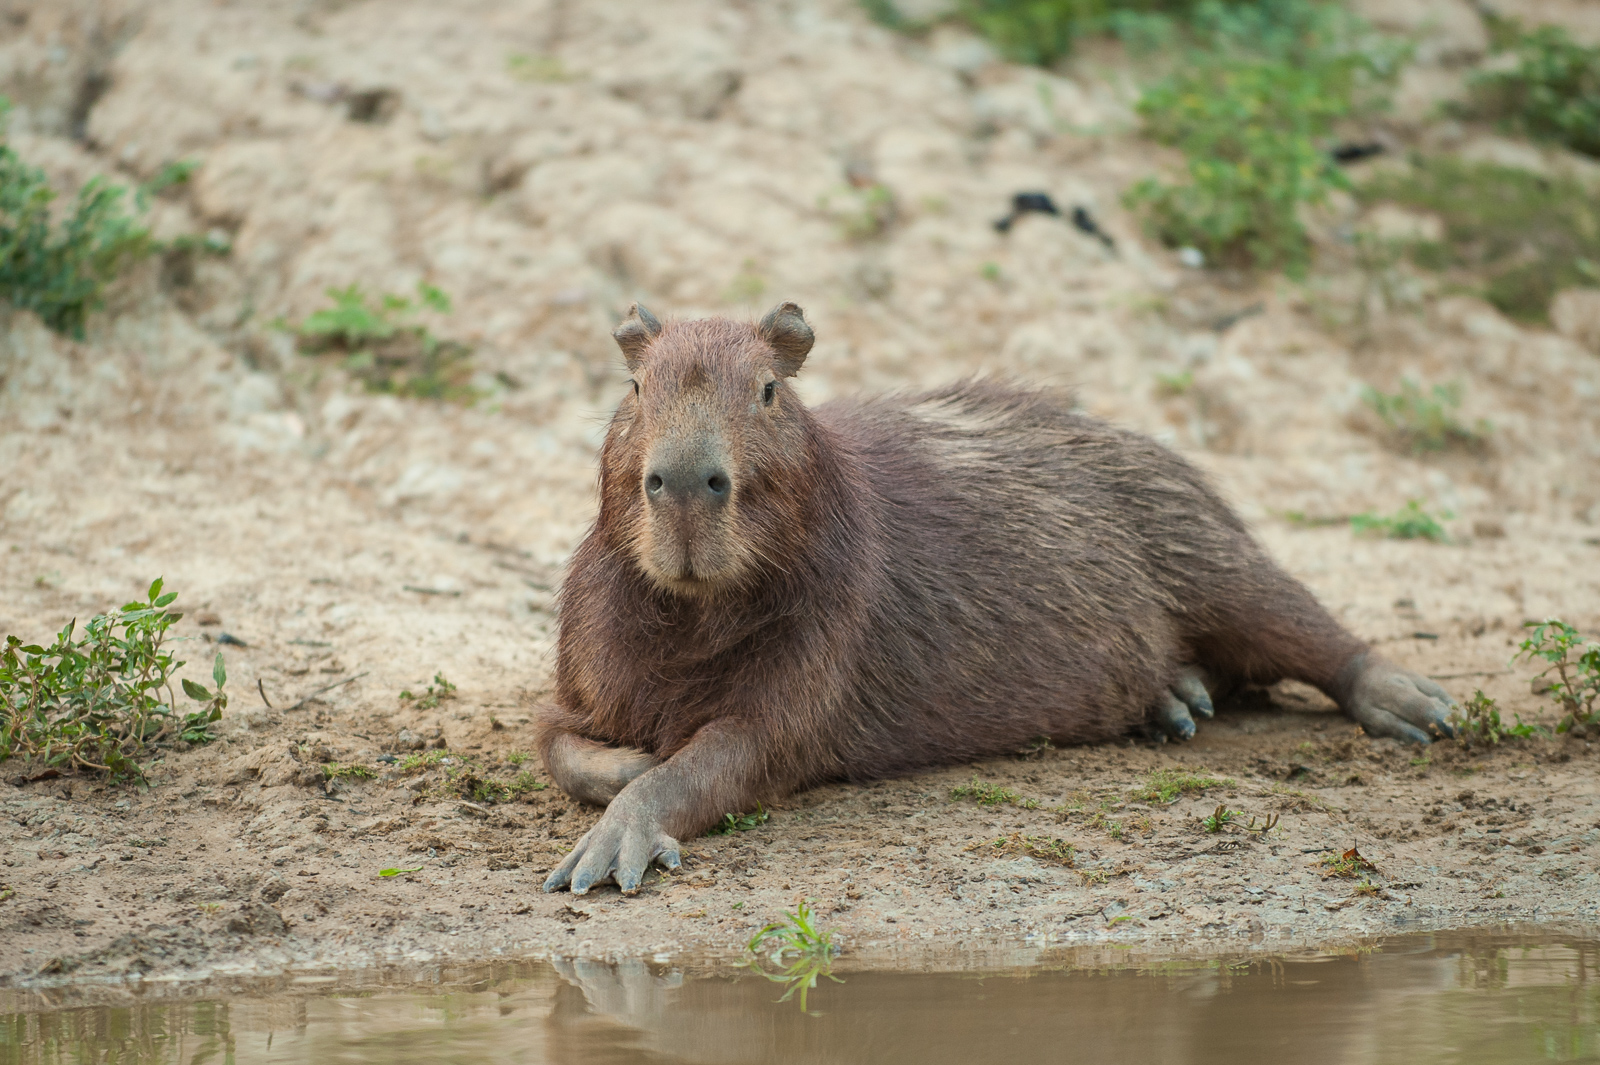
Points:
[[635, 385], [769, 392]]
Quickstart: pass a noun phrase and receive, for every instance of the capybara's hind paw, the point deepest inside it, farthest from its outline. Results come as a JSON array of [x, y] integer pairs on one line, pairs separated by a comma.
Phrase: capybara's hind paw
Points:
[[1390, 701], [1183, 702], [619, 848]]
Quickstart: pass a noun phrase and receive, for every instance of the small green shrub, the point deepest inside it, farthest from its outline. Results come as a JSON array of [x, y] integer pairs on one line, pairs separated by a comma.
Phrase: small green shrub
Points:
[[435, 693], [385, 348], [987, 794], [1520, 236], [732, 823], [1553, 93], [1410, 522], [1219, 819], [1425, 421], [102, 700], [1253, 112], [60, 270], [1576, 665], [1477, 723]]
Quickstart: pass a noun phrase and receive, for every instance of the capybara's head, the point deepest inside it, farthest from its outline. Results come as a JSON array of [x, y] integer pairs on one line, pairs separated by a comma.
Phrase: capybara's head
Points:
[[706, 457]]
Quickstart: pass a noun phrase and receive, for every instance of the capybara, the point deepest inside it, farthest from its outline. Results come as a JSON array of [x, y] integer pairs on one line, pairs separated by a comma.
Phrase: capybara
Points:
[[773, 596]]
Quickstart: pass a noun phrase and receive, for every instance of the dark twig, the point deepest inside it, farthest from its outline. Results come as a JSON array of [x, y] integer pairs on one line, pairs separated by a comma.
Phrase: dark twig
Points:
[[262, 688], [326, 688]]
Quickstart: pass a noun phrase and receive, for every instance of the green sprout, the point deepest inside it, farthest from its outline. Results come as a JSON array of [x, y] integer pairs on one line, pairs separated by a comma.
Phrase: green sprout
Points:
[[1576, 664], [1219, 819], [812, 952], [986, 794], [1410, 522], [732, 823]]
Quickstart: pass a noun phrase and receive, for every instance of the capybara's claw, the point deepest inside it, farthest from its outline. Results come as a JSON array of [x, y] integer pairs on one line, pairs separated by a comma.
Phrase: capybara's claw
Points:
[[618, 849], [1390, 701], [1174, 719], [1192, 690]]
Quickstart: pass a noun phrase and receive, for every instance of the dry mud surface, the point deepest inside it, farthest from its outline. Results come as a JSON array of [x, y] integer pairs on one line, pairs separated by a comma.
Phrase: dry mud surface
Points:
[[548, 162]]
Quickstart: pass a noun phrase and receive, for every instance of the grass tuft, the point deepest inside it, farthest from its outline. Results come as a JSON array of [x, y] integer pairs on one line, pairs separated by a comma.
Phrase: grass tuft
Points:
[[1165, 786], [1425, 421], [986, 794], [1410, 522], [1043, 848], [1553, 92], [385, 348], [802, 950]]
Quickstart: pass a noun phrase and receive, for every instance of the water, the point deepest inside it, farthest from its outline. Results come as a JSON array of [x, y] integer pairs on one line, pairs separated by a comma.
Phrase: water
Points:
[[1460, 998]]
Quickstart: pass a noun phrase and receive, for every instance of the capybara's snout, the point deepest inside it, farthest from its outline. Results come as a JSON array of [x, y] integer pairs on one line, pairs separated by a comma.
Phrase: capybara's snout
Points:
[[687, 477]]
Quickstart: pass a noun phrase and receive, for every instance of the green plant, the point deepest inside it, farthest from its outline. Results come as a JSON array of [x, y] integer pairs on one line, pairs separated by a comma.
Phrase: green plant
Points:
[[1516, 236], [1552, 93], [732, 823], [812, 951], [60, 270], [1576, 664], [1164, 786], [536, 68], [860, 213], [1219, 818], [1043, 848], [1425, 421], [397, 872], [421, 760], [96, 702], [1477, 723], [1252, 112], [384, 348], [436, 692], [516, 757], [1410, 522], [987, 794]]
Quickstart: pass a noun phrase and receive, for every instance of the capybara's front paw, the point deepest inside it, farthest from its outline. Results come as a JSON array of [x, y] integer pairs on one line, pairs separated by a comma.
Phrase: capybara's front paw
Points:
[[1390, 701], [620, 849], [1186, 700]]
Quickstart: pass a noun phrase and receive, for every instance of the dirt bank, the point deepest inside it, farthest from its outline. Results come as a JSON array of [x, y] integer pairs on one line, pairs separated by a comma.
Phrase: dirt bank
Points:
[[546, 164]]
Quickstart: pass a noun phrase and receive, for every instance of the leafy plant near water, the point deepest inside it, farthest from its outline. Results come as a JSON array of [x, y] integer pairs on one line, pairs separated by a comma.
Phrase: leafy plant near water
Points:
[[1410, 522], [59, 270], [1253, 111], [1165, 786], [1518, 236], [102, 700], [385, 348], [1576, 665], [1477, 723], [801, 950], [1552, 93], [986, 794], [1043, 848], [732, 823], [1425, 421]]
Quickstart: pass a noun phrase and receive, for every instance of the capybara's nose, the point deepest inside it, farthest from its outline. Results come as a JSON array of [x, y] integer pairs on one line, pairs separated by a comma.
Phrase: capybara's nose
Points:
[[689, 482]]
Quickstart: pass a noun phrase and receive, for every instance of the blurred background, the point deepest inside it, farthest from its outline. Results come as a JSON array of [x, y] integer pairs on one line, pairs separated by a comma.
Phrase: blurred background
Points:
[[311, 300]]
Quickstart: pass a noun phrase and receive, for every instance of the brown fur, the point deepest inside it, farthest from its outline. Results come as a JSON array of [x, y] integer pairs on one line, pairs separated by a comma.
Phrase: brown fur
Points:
[[894, 583]]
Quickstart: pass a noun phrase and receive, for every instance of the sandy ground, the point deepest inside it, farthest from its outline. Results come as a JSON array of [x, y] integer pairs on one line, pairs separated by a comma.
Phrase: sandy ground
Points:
[[548, 163]]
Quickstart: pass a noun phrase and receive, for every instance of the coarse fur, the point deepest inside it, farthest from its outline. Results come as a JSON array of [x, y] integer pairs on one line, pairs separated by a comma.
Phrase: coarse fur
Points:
[[884, 585]]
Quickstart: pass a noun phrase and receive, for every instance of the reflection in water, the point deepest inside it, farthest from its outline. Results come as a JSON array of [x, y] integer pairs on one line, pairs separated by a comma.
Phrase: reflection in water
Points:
[[1416, 1000]]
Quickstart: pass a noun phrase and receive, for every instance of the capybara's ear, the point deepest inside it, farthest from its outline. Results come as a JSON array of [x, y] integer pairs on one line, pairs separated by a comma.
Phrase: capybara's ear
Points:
[[791, 338], [635, 334]]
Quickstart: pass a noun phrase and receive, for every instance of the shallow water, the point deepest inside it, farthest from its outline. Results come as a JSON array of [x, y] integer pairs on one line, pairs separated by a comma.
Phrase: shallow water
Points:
[[1459, 998]]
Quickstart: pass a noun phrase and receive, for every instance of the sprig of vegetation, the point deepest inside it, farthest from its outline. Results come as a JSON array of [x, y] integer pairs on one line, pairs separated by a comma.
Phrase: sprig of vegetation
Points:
[[732, 823], [102, 700], [1528, 235], [1253, 111], [1219, 819], [986, 794], [385, 348], [348, 771], [60, 270], [1043, 848], [811, 949], [1477, 723], [1425, 421], [1164, 786], [1553, 92], [1348, 865], [436, 693], [1410, 522], [1576, 665]]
